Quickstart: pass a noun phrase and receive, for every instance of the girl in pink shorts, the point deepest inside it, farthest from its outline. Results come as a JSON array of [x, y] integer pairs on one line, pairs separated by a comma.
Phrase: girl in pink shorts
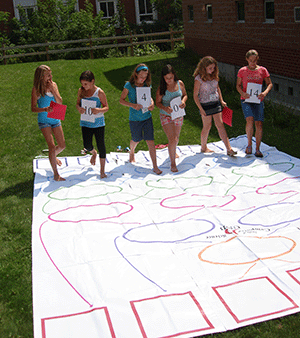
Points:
[[170, 88]]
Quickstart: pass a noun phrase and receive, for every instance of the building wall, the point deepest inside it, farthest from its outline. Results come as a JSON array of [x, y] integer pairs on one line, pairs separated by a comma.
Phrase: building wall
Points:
[[7, 6], [228, 40]]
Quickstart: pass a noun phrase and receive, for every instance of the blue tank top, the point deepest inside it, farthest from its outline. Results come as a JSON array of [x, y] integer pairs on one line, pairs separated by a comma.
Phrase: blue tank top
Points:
[[99, 121], [168, 97], [135, 115], [43, 102]]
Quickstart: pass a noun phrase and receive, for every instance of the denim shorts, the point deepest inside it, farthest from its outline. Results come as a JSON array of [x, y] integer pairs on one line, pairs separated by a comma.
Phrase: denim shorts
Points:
[[45, 125], [142, 130], [255, 110]]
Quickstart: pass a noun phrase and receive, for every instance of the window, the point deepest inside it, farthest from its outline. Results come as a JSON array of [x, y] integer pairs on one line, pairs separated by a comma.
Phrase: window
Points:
[[240, 8], [145, 10], [276, 87], [297, 14], [269, 11], [108, 8], [191, 13], [290, 91], [27, 14], [209, 12]]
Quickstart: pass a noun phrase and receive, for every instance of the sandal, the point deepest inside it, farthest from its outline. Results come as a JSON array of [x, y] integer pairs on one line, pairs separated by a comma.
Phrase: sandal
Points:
[[258, 154], [231, 153], [248, 150]]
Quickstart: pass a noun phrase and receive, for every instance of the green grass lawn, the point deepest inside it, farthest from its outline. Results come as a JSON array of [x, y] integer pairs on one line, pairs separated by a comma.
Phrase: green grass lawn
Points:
[[21, 141]]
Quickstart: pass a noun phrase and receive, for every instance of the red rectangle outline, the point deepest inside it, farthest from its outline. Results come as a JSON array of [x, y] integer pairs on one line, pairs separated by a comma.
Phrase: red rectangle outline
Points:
[[256, 317], [294, 278], [43, 320], [210, 326]]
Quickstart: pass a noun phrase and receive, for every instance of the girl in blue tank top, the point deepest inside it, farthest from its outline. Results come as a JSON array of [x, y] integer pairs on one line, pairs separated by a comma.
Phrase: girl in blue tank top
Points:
[[140, 119], [95, 124], [43, 92], [170, 87]]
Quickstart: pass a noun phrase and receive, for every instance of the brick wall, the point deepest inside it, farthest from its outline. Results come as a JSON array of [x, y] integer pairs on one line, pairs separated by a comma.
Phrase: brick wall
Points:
[[228, 40]]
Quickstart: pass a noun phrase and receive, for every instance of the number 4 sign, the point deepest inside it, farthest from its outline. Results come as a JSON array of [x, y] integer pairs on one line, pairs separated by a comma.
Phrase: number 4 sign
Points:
[[253, 89], [143, 96]]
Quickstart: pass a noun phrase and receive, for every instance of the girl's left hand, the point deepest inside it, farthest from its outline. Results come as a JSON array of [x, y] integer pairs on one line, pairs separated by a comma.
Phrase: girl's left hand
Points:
[[182, 105], [224, 104], [151, 107], [261, 96]]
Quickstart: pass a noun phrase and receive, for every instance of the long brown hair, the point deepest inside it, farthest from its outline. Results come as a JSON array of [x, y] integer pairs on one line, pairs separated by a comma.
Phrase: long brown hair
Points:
[[38, 81], [168, 69], [201, 69], [85, 76], [142, 67]]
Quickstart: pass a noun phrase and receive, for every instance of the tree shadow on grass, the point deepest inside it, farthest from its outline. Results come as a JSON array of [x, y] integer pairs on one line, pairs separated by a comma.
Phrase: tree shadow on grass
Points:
[[184, 69], [21, 190]]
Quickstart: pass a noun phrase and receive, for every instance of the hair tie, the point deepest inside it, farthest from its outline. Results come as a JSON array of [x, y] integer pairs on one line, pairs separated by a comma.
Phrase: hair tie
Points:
[[141, 68]]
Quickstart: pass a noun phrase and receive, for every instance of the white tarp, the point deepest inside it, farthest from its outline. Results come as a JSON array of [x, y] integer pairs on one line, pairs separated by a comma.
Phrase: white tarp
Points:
[[211, 248]]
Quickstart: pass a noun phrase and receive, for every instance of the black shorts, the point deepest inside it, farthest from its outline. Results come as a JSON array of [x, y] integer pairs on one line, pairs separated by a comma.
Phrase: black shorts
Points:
[[212, 108]]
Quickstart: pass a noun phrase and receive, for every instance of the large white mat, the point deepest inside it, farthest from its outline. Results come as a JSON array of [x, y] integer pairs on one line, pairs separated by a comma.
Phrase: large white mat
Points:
[[211, 248]]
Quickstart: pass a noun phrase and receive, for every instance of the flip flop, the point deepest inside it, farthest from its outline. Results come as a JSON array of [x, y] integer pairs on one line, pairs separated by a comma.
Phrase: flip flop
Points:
[[248, 150], [258, 154]]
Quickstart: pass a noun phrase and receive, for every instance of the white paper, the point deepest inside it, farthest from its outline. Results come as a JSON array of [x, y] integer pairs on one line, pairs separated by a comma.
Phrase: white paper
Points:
[[88, 115], [172, 255], [143, 96], [177, 111], [253, 89]]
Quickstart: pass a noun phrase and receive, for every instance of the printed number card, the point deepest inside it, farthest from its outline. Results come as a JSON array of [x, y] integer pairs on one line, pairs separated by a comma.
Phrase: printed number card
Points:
[[143, 96], [88, 115], [253, 89], [177, 111]]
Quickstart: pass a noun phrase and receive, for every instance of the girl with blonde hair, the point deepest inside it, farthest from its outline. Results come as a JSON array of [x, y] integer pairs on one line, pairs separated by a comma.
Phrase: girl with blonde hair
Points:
[[43, 92], [209, 100]]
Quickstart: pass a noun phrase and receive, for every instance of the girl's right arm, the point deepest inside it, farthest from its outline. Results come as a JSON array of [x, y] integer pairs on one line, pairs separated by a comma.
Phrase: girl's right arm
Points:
[[78, 103], [197, 85], [34, 107], [159, 102], [243, 94], [124, 94]]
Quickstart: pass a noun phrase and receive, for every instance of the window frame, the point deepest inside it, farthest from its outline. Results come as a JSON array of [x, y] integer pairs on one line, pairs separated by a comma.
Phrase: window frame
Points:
[[139, 15], [191, 13], [207, 7], [297, 9], [238, 3], [106, 2], [269, 20]]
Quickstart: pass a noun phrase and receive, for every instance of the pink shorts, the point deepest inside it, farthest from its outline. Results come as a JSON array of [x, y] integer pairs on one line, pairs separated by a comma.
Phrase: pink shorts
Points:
[[165, 119]]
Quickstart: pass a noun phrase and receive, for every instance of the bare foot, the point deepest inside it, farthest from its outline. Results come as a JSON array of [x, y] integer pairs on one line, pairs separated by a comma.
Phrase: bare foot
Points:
[[93, 158], [131, 157], [58, 161], [174, 169], [58, 178], [206, 150], [157, 171], [103, 175]]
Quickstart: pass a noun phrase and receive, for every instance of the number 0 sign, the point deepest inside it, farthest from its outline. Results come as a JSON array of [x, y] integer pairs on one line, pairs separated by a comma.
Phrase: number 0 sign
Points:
[[177, 111], [253, 89]]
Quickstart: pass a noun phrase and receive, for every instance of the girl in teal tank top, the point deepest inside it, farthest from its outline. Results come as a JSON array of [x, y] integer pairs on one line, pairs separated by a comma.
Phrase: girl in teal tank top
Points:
[[170, 88], [43, 92]]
